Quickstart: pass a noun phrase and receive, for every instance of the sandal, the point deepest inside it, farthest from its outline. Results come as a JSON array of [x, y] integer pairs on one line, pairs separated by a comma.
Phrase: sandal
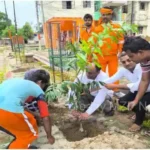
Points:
[[135, 128]]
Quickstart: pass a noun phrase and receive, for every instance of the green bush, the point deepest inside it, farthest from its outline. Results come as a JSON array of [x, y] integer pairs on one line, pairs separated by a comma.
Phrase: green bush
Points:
[[122, 108], [146, 123], [52, 93]]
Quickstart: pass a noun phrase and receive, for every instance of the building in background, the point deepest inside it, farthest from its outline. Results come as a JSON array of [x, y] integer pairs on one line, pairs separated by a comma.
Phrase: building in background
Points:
[[76, 8], [119, 8], [139, 13]]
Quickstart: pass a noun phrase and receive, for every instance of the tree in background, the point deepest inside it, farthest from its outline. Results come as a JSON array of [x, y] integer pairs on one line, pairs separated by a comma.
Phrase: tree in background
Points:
[[27, 31], [4, 22], [5, 32]]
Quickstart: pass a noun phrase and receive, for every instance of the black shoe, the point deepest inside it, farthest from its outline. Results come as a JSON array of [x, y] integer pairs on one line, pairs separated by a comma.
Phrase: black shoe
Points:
[[33, 147]]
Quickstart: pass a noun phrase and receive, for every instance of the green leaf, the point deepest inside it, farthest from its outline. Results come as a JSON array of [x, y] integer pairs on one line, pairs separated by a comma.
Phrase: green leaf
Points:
[[81, 57], [100, 43], [94, 34], [114, 39], [97, 64]]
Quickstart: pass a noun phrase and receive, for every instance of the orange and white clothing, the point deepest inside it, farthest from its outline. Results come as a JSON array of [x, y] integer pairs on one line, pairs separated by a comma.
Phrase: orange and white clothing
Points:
[[14, 120]]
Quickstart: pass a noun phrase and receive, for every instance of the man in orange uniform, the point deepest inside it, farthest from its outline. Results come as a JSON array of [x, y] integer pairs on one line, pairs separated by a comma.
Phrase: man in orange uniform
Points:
[[87, 32], [110, 53]]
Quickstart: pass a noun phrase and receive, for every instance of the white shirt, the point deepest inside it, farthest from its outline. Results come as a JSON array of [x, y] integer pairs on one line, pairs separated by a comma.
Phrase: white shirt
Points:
[[123, 72], [84, 79], [100, 94], [134, 77]]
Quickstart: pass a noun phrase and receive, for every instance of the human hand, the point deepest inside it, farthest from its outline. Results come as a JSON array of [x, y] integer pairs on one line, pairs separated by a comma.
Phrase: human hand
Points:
[[84, 116], [132, 104], [75, 113]]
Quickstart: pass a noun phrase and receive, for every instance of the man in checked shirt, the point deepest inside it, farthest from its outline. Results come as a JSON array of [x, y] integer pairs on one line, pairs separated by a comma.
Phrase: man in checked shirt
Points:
[[138, 49]]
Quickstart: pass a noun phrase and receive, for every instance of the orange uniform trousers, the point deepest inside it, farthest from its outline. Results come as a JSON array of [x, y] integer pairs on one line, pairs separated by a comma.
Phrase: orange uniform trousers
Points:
[[110, 61], [22, 126]]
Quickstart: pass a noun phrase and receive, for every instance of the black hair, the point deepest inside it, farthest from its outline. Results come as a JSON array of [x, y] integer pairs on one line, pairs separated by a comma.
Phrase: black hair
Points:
[[97, 68], [88, 16], [134, 44], [122, 54], [38, 75]]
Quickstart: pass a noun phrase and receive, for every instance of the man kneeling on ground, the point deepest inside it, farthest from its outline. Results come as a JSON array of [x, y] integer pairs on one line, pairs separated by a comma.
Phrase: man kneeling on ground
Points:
[[99, 97], [135, 100]]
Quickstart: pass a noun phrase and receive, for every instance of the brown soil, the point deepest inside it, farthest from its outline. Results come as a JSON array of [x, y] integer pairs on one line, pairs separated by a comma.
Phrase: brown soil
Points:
[[70, 128], [90, 129]]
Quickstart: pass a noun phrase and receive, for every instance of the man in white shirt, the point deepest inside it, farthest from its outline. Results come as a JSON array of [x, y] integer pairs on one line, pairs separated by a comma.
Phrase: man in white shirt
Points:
[[130, 70], [135, 77], [98, 95]]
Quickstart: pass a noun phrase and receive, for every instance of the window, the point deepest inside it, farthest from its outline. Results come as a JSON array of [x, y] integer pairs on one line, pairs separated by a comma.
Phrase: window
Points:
[[140, 28], [142, 5], [96, 5], [86, 4], [125, 9], [67, 4]]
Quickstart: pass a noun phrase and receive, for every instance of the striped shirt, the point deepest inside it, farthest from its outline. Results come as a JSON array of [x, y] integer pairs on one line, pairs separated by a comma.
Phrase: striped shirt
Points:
[[145, 66]]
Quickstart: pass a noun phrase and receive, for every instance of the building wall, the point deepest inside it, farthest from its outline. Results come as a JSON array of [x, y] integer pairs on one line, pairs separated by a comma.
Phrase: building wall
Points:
[[148, 19], [54, 9], [140, 17]]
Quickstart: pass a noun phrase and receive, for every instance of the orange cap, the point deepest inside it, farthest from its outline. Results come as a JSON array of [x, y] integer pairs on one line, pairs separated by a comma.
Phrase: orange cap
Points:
[[106, 11]]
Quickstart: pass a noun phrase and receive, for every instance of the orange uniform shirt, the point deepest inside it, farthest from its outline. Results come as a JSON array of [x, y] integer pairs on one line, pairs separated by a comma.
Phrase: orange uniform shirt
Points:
[[85, 34], [110, 47]]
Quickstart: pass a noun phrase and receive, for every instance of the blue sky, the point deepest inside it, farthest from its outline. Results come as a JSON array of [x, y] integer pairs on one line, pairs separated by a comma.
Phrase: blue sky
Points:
[[25, 11]]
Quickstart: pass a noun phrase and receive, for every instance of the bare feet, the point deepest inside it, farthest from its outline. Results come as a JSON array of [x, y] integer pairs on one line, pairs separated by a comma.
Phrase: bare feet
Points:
[[135, 128]]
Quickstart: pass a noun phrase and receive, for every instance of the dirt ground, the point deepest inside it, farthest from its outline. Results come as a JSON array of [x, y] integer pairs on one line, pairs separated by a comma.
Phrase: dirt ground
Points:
[[98, 132]]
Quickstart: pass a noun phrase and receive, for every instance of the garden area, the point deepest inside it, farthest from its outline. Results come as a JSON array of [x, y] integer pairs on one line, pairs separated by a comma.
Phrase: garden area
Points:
[[98, 131]]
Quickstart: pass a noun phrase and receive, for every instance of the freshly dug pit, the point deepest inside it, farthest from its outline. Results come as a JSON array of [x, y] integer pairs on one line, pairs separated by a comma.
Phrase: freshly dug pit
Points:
[[70, 127], [72, 133]]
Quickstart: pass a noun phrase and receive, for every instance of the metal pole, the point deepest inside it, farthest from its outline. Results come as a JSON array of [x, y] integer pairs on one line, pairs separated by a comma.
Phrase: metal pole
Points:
[[42, 10], [52, 53], [132, 11], [75, 32], [5, 10], [38, 24], [60, 52], [16, 30], [15, 17], [7, 23]]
